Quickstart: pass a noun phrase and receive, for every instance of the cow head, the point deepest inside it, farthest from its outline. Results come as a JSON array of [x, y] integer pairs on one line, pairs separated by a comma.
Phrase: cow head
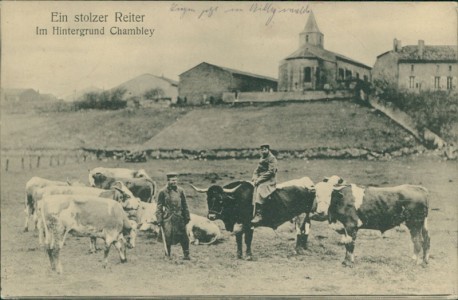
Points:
[[147, 217], [140, 174], [323, 192], [125, 196], [98, 180], [217, 197], [131, 234]]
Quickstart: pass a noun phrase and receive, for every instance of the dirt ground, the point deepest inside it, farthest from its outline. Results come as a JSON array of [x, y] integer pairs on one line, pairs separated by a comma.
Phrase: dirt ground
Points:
[[383, 263]]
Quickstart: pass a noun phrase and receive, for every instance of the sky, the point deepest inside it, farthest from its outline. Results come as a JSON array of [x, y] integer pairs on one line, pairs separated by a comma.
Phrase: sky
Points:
[[247, 36]]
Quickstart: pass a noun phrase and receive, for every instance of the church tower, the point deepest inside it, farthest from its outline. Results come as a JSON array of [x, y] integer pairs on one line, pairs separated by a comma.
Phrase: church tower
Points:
[[311, 34]]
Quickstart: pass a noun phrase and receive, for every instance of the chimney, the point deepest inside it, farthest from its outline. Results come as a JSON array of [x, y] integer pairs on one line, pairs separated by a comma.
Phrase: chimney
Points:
[[396, 45], [421, 48]]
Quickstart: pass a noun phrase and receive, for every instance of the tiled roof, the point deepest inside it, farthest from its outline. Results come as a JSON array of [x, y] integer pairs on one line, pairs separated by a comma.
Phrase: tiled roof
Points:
[[233, 71], [310, 51], [430, 53]]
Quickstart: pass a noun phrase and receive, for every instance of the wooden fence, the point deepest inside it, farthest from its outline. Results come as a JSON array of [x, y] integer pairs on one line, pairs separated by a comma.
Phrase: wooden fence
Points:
[[29, 161]]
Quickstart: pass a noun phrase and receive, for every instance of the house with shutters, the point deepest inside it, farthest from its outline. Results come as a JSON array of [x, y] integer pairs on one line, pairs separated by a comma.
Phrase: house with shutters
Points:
[[418, 67], [312, 67]]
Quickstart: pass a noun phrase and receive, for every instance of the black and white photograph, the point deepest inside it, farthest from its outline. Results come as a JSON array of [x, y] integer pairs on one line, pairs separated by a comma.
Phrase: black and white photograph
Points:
[[239, 149]]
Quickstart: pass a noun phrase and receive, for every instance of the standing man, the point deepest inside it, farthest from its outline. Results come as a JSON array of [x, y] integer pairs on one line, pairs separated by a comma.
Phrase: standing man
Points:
[[264, 180], [172, 215]]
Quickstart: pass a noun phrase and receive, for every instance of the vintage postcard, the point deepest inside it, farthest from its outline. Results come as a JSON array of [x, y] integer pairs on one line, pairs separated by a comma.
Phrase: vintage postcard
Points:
[[243, 148]]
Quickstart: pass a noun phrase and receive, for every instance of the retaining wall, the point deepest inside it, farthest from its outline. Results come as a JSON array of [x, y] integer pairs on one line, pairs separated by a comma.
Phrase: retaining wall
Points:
[[286, 96]]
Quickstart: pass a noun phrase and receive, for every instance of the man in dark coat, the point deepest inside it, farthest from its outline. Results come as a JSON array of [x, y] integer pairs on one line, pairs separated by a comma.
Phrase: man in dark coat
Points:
[[172, 215], [264, 180]]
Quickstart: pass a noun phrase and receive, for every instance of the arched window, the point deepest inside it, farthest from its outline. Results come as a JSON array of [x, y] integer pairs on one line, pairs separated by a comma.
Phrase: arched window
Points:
[[341, 74], [307, 74]]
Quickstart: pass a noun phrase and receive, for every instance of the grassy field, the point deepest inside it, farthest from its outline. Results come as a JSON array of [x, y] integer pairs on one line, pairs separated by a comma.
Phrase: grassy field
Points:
[[121, 129], [383, 264], [286, 127]]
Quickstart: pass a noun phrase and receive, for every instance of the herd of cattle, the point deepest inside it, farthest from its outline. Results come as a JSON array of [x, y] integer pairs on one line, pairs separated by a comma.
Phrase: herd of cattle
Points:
[[119, 201]]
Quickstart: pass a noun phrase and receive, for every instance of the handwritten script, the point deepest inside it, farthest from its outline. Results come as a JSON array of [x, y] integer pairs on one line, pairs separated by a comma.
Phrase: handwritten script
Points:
[[270, 10]]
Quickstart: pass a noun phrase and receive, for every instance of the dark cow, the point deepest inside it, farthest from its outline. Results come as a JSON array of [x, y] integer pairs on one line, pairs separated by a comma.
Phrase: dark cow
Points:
[[233, 204], [143, 188], [350, 207]]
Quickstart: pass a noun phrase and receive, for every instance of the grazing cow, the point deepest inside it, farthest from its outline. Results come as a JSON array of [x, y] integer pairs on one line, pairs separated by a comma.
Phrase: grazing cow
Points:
[[351, 207], [119, 193], [85, 216], [30, 202], [117, 172], [233, 204], [143, 188]]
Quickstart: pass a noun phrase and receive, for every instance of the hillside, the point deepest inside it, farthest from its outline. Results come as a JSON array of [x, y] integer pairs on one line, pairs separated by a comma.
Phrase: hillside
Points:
[[123, 129], [286, 127]]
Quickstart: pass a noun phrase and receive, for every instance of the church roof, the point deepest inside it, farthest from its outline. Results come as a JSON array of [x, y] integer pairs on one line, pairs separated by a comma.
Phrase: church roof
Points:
[[308, 51], [311, 25]]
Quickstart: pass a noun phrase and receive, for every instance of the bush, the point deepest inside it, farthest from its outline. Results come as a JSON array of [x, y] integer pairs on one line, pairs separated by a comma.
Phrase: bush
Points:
[[110, 100], [435, 110]]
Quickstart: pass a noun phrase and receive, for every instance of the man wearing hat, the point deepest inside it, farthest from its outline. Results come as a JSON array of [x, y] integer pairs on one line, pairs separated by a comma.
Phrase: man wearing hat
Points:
[[264, 180], [172, 215]]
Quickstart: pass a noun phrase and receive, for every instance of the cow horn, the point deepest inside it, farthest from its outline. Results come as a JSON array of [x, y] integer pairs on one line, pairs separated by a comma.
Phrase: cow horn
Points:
[[229, 191], [199, 190]]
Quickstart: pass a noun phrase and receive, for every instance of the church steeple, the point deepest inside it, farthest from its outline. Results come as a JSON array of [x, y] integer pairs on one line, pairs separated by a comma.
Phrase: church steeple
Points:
[[311, 34]]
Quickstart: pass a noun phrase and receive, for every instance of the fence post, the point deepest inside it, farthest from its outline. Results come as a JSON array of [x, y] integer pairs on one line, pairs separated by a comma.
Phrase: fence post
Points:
[[38, 161], [22, 162], [58, 160], [30, 162], [50, 161], [7, 163]]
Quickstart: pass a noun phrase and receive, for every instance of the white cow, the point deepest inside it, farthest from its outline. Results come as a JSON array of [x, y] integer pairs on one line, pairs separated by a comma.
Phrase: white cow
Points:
[[119, 193], [30, 202], [85, 216], [200, 230], [117, 173]]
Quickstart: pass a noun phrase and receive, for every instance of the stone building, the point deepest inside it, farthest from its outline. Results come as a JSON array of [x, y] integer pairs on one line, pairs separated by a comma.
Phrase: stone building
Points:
[[418, 67], [206, 83], [311, 67]]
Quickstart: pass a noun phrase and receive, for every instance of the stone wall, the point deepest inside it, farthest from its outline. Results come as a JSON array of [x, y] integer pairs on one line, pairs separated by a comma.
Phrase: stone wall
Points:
[[216, 154], [287, 96]]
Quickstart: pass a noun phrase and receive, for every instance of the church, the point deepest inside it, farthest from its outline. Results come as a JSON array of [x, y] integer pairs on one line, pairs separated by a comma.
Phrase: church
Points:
[[311, 67]]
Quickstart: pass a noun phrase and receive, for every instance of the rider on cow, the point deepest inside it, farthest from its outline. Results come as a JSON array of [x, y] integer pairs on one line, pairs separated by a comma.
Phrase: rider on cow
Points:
[[264, 180]]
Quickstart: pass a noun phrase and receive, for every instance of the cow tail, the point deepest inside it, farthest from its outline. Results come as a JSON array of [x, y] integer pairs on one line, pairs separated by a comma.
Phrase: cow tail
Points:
[[154, 191], [426, 204], [29, 204], [44, 224], [210, 242]]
